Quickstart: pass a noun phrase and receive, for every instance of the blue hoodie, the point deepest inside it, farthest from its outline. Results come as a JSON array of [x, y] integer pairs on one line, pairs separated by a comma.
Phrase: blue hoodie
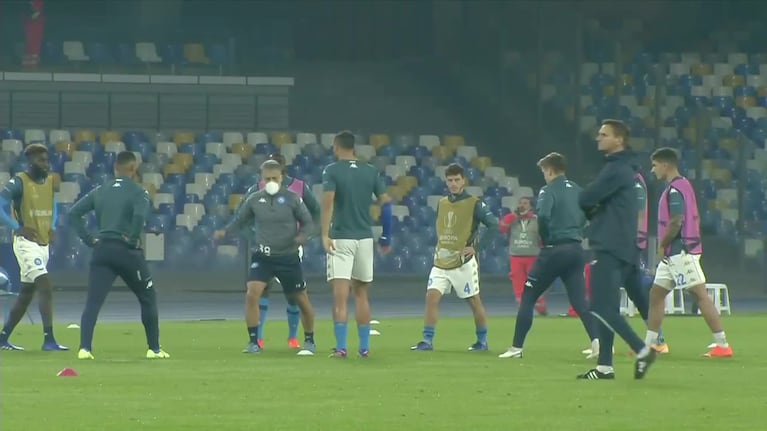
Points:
[[611, 206]]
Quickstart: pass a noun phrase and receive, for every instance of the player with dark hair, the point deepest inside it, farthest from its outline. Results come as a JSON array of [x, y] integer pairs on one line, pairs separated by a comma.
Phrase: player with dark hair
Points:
[[679, 251], [281, 224], [303, 190], [456, 266], [560, 223], [31, 197], [121, 207], [610, 202], [347, 237]]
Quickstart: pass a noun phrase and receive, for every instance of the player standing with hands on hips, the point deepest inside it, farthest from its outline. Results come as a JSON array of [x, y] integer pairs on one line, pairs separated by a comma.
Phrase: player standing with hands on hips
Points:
[[282, 224], [121, 207], [30, 195], [347, 236], [679, 251], [560, 223], [610, 202], [456, 264]]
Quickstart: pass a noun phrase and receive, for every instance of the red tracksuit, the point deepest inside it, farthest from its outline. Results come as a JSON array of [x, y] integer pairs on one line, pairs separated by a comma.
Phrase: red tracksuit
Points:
[[34, 28], [520, 266]]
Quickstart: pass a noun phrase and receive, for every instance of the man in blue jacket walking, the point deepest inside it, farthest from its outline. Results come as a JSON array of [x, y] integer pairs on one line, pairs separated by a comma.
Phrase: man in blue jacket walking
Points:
[[610, 204]]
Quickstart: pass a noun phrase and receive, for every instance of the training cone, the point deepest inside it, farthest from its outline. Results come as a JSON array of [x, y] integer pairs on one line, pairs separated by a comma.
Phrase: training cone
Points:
[[73, 326], [374, 332], [67, 372], [375, 322]]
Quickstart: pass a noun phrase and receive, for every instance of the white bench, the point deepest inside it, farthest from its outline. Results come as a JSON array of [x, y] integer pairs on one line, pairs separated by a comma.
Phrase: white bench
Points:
[[716, 291]]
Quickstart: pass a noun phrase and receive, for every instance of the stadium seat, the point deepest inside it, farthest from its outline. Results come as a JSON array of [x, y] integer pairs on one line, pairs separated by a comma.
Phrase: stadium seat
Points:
[[74, 51], [12, 145], [147, 52], [194, 53], [84, 136]]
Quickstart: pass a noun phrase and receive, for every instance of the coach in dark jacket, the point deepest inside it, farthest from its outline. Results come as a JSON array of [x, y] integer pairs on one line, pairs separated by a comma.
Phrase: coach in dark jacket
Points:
[[610, 204]]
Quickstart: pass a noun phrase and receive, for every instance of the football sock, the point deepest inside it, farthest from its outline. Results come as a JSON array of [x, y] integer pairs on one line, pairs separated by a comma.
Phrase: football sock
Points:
[[339, 328], [294, 316], [364, 333], [428, 334]]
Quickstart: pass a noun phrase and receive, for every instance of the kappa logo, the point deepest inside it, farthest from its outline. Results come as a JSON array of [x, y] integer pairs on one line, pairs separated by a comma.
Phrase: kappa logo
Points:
[[529, 284], [262, 200]]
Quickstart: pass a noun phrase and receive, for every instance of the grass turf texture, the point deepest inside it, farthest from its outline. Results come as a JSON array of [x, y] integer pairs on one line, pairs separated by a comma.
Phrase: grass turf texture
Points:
[[209, 385]]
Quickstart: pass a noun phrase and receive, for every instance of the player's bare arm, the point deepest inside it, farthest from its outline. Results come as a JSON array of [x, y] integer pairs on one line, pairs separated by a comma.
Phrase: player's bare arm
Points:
[[327, 215], [384, 200], [674, 227]]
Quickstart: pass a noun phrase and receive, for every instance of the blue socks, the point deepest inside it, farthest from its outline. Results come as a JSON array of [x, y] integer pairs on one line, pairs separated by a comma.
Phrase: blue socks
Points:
[[263, 306], [339, 328], [482, 335], [294, 316], [364, 332], [428, 334]]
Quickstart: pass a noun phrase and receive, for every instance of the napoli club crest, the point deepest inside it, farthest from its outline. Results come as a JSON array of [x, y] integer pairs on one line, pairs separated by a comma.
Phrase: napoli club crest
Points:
[[281, 200]]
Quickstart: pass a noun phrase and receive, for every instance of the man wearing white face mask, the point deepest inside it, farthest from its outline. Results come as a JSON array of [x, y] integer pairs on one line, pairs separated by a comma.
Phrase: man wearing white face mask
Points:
[[282, 223], [302, 189]]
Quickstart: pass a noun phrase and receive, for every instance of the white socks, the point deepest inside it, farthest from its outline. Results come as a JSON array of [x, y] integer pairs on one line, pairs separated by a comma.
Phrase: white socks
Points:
[[651, 339], [605, 369], [644, 352], [720, 339]]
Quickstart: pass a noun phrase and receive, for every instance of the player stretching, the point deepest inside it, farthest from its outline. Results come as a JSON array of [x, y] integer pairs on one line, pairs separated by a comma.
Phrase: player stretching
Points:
[[521, 226], [34, 208], [561, 224], [679, 251], [455, 257], [281, 223], [347, 236], [302, 189], [121, 207]]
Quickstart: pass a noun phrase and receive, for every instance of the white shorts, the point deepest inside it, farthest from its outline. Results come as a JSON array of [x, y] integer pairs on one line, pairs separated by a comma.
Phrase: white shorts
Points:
[[32, 258], [352, 260], [464, 280], [681, 271]]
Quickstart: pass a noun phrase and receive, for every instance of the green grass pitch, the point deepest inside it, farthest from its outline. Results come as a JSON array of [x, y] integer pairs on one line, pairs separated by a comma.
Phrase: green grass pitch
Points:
[[209, 385]]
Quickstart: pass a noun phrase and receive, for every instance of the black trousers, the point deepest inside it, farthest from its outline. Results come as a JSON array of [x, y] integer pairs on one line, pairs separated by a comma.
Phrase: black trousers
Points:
[[563, 261], [112, 259], [608, 275]]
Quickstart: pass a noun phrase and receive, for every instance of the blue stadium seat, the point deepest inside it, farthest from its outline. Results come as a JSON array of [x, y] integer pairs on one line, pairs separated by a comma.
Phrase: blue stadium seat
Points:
[[99, 53], [126, 54], [219, 54], [172, 54]]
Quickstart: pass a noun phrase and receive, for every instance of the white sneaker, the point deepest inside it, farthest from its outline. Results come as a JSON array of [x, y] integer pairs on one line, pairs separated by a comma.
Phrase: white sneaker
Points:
[[513, 352], [590, 353]]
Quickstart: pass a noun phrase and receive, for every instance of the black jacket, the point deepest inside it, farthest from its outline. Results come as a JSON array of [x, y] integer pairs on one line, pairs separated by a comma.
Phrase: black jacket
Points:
[[611, 206]]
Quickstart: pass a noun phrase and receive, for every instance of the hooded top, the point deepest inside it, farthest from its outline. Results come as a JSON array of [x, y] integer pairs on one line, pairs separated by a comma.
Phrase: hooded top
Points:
[[610, 203]]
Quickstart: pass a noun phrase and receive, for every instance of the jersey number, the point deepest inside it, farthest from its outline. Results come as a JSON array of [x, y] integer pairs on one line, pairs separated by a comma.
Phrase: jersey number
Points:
[[680, 279], [264, 249], [467, 288]]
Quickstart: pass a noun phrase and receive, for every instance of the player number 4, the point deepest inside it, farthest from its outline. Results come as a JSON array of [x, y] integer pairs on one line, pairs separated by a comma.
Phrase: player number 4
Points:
[[467, 288]]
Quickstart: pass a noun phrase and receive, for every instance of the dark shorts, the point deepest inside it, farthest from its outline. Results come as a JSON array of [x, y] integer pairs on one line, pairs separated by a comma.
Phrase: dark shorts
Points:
[[287, 269]]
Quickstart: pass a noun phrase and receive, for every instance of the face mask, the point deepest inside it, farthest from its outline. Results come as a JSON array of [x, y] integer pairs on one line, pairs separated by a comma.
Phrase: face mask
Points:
[[272, 188]]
